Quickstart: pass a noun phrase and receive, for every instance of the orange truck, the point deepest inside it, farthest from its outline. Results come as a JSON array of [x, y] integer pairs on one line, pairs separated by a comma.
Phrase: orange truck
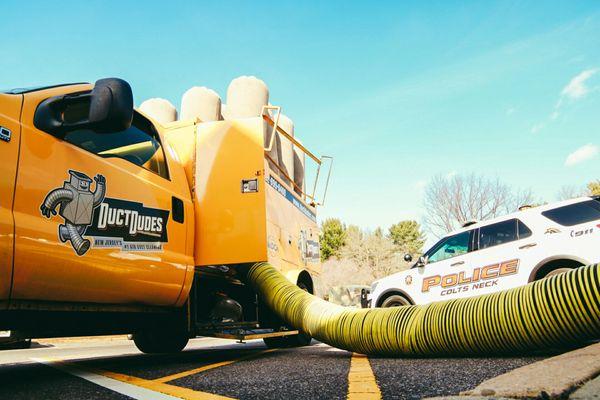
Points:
[[111, 222]]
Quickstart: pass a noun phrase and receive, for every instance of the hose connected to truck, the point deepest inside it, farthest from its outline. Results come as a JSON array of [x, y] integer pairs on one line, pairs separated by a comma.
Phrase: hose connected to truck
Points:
[[556, 311]]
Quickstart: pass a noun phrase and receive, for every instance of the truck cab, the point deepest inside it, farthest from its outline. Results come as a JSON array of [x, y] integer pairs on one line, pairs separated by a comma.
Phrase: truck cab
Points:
[[111, 222]]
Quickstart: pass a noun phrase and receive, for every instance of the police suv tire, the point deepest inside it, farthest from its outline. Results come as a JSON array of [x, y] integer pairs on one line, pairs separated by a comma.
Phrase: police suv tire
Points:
[[557, 271], [395, 300], [153, 342]]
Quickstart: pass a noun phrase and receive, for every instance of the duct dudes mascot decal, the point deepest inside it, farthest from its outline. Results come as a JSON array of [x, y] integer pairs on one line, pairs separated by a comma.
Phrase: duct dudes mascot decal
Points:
[[77, 203], [112, 223]]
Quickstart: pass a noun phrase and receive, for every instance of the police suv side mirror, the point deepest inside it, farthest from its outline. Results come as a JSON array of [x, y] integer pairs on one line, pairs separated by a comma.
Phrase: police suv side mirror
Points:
[[107, 108], [408, 258], [422, 261]]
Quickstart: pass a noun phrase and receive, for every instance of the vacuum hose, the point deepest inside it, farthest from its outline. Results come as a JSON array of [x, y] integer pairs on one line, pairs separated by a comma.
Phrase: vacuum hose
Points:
[[556, 311]]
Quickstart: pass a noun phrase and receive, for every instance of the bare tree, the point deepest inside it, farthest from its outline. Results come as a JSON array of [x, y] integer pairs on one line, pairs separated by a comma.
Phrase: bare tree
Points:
[[451, 201], [373, 251], [345, 271], [570, 192]]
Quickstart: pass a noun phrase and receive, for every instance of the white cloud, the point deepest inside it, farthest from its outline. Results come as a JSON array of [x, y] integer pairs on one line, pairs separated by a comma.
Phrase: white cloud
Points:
[[582, 154], [577, 87], [574, 90], [537, 127]]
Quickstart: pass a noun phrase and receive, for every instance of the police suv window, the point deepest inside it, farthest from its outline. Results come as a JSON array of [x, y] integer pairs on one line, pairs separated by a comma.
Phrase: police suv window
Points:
[[524, 231], [575, 214], [497, 234], [452, 246], [139, 144]]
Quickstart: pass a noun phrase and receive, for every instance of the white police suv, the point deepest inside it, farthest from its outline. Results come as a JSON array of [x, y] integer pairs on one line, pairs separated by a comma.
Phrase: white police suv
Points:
[[498, 254]]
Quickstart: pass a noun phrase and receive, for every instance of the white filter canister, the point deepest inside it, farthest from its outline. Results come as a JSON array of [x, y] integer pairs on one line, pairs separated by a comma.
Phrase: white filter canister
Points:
[[201, 102], [246, 97], [160, 109], [223, 112]]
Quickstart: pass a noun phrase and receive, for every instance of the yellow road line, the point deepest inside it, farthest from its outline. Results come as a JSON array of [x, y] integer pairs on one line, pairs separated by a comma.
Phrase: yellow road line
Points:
[[160, 389], [361, 380], [210, 366], [176, 391]]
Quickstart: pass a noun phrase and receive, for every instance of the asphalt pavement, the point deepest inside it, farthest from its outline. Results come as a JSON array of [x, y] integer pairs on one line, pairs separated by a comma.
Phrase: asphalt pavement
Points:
[[209, 368]]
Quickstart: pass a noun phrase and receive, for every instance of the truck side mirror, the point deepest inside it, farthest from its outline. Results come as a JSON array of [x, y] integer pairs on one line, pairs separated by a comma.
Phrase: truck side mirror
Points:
[[111, 105], [408, 258], [107, 108]]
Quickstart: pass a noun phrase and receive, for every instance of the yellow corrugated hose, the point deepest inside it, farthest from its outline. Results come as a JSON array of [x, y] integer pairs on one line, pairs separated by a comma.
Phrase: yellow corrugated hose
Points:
[[560, 310]]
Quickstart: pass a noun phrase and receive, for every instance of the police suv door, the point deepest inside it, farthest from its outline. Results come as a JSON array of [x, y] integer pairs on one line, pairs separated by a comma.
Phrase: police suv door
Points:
[[503, 256], [99, 216], [447, 268]]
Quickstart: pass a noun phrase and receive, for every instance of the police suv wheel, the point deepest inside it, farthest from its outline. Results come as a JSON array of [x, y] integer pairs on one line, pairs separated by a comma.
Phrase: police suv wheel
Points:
[[557, 271], [395, 301]]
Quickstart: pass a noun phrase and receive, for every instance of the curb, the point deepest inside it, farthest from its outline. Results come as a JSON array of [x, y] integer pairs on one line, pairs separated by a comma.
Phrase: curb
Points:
[[590, 390], [553, 377]]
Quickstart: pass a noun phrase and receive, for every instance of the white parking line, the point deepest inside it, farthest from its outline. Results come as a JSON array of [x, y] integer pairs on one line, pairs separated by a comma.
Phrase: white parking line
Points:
[[132, 391]]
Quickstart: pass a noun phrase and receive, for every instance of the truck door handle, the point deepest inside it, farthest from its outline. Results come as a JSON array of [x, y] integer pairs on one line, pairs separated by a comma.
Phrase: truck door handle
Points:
[[177, 208], [457, 263], [527, 246], [5, 134]]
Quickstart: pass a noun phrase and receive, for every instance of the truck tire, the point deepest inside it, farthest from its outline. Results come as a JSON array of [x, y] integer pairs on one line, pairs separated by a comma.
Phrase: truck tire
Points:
[[395, 300], [152, 342], [299, 340]]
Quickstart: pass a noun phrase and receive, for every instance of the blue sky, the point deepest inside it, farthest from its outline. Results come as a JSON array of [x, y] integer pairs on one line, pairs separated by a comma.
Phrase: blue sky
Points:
[[397, 92]]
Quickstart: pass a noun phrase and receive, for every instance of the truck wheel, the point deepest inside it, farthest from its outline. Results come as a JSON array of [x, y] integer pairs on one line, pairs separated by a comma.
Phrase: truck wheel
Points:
[[274, 342], [160, 341], [395, 301], [299, 340]]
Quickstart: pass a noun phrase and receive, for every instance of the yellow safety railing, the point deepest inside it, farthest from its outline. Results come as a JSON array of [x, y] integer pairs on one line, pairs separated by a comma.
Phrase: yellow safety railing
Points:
[[274, 122]]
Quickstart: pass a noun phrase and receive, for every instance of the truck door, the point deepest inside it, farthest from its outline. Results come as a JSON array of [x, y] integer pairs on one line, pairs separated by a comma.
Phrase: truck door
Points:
[[10, 113], [447, 269], [99, 216]]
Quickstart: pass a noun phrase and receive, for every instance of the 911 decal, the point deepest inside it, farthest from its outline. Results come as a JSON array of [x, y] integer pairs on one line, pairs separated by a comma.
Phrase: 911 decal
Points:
[[480, 278], [111, 223], [581, 232]]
